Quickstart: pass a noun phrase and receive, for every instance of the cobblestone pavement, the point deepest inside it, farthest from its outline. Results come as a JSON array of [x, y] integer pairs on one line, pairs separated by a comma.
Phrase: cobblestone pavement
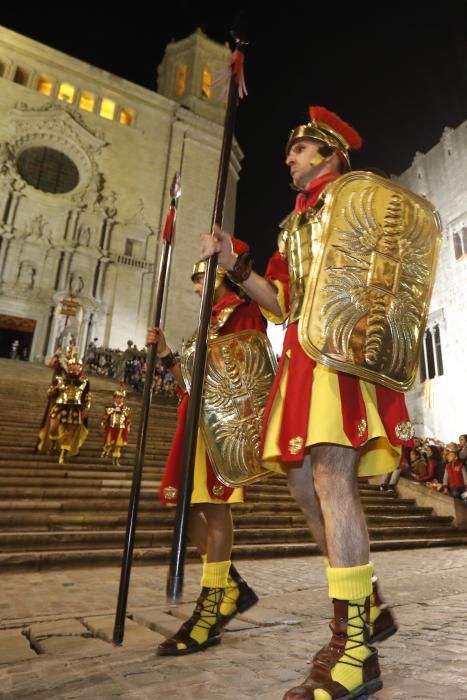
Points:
[[56, 627]]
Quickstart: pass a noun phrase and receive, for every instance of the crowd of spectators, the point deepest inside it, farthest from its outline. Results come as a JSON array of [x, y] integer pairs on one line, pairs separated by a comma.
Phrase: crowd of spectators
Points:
[[441, 467], [128, 366]]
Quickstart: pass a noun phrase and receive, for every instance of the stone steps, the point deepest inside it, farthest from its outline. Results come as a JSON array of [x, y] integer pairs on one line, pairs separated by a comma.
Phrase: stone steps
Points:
[[38, 560], [16, 522], [110, 539], [75, 514]]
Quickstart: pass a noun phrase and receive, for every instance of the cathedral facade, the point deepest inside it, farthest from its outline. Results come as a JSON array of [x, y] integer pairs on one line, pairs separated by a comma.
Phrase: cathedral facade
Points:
[[86, 163]]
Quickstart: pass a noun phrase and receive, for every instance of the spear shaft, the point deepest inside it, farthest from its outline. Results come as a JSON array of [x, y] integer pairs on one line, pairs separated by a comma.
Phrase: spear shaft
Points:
[[168, 236], [177, 558]]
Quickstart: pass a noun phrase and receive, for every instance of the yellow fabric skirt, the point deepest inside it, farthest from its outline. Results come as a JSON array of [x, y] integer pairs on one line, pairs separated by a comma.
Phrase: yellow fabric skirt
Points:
[[200, 493], [325, 425]]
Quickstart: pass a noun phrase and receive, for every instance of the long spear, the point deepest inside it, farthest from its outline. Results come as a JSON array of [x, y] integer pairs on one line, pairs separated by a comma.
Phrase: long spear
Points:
[[177, 559], [169, 237]]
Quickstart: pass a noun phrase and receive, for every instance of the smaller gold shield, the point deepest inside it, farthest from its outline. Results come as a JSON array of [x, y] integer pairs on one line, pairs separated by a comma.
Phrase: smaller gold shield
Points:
[[239, 373], [368, 292]]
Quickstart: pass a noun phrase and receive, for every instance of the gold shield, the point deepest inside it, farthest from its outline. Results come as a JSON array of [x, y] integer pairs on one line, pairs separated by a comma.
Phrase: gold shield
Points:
[[368, 293], [239, 373]]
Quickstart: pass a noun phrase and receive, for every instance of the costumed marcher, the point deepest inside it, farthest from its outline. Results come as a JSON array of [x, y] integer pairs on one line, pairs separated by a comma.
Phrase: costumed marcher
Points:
[[116, 424], [224, 592], [326, 426], [66, 424]]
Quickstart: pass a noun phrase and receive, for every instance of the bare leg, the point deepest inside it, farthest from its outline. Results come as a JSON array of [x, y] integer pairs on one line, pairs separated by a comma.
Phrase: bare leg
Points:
[[198, 529], [302, 488], [211, 530], [334, 474], [219, 531]]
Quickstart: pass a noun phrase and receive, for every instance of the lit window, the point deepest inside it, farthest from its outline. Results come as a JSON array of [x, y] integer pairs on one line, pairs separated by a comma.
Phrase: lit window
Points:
[[66, 93], [180, 79], [107, 108], [44, 85], [87, 101], [126, 117], [21, 76], [206, 86]]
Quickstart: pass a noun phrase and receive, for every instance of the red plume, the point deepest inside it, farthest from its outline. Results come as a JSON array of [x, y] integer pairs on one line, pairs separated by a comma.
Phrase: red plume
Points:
[[321, 114]]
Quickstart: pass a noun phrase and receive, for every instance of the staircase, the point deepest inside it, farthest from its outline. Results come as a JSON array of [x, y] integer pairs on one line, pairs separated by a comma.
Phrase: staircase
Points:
[[75, 514]]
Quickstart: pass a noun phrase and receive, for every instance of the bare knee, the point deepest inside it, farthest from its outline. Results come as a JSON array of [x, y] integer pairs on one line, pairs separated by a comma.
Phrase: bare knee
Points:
[[334, 471]]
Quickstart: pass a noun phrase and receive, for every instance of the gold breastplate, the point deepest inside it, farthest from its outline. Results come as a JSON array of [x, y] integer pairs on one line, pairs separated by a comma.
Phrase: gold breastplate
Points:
[[71, 393], [118, 418], [297, 241]]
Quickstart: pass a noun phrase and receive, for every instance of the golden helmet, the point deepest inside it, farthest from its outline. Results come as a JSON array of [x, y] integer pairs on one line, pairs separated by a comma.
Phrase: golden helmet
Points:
[[328, 127]]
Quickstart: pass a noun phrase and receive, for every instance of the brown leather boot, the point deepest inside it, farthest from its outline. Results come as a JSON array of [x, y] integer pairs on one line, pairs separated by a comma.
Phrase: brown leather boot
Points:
[[335, 652], [203, 624], [244, 601], [384, 626]]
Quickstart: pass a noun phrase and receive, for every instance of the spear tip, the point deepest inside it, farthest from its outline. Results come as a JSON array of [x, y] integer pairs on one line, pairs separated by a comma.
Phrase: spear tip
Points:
[[176, 186]]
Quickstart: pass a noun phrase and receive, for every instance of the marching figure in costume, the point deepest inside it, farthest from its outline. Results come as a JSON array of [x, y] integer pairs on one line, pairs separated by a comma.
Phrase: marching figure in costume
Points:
[[116, 424], [224, 592], [65, 426], [352, 276]]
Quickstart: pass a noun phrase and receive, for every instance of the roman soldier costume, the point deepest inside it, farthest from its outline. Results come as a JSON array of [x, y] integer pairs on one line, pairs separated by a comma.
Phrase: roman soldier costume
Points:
[[231, 314], [224, 592], [66, 425], [116, 424], [353, 272]]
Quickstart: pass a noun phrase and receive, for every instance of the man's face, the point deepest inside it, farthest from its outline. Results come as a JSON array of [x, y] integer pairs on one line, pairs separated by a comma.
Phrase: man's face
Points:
[[299, 159], [198, 282]]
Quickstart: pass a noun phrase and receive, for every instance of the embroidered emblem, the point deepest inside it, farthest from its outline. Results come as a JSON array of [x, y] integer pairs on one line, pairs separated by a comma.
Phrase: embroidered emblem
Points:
[[295, 445], [404, 430], [218, 490], [170, 492], [361, 427]]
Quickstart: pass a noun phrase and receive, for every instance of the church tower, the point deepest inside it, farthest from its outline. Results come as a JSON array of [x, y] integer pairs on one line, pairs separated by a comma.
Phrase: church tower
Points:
[[188, 70]]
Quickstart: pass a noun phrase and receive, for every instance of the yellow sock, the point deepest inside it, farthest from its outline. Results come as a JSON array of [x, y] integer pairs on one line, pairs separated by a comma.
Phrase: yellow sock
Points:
[[215, 574], [231, 593], [354, 585]]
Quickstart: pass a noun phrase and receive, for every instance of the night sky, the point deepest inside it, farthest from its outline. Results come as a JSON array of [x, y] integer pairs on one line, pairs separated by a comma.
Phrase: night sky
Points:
[[398, 79]]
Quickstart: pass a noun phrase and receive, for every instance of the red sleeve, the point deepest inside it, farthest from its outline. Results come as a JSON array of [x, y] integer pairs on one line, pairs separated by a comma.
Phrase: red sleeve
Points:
[[277, 268], [246, 316]]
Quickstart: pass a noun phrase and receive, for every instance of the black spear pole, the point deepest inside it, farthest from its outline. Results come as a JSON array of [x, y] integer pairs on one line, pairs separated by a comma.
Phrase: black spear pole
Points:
[[177, 559], [169, 232]]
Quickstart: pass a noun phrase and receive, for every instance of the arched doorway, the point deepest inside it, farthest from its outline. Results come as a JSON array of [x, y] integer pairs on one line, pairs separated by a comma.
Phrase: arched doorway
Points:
[[16, 336]]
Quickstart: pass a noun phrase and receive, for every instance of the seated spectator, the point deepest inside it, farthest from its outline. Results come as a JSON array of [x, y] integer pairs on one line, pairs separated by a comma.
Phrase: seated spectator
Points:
[[391, 479], [435, 466], [417, 464], [455, 475]]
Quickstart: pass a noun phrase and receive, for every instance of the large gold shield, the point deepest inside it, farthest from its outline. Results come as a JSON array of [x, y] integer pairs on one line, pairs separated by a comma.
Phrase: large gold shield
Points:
[[239, 373], [368, 293]]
